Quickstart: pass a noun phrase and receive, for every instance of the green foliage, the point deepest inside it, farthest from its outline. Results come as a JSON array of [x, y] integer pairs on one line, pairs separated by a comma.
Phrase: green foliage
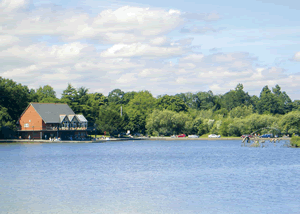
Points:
[[221, 113], [167, 122], [269, 103], [206, 114], [231, 114], [137, 111], [223, 130], [91, 108], [171, 103], [241, 111], [290, 123], [110, 120], [14, 97], [116, 96], [235, 98], [6, 123], [216, 127], [199, 100], [295, 141], [46, 92]]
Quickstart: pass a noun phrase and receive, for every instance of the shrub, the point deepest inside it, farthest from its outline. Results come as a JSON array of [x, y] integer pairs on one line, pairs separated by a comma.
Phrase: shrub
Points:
[[295, 141]]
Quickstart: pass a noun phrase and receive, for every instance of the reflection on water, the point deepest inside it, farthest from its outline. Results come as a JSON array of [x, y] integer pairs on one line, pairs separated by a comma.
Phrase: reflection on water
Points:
[[149, 177], [266, 143]]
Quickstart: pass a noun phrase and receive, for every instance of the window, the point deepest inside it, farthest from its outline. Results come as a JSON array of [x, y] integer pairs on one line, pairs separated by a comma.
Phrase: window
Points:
[[26, 125]]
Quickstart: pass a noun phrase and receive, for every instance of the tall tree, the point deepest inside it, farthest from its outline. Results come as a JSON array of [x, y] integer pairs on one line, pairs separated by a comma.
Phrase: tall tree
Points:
[[109, 120], [14, 97], [235, 98], [285, 101], [70, 97], [6, 123], [172, 103], [138, 109], [91, 109], [269, 103], [116, 96], [45, 92]]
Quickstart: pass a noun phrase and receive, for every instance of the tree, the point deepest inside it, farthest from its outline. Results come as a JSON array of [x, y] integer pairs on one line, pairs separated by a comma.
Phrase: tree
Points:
[[116, 96], [235, 98], [171, 103], [14, 97], [6, 122], [166, 122], [91, 109], [224, 130], [241, 111], [138, 109], [269, 103], [290, 123], [285, 101], [75, 98], [198, 126], [45, 92], [69, 94], [109, 120]]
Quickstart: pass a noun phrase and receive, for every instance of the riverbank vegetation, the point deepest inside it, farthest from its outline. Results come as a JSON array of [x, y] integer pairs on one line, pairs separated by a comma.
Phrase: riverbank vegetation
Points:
[[231, 114], [295, 141]]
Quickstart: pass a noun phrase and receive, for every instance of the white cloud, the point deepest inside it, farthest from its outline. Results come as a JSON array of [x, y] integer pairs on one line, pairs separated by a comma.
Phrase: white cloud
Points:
[[25, 72], [127, 78], [297, 56], [123, 25], [158, 41], [10, 5], [7, 40], [202, 16], [132, 48], [193, 57], [199, 30], [142, 50]]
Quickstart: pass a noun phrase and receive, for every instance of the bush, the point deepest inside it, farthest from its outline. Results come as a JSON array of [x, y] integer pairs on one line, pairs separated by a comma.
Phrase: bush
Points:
[[295, 141]]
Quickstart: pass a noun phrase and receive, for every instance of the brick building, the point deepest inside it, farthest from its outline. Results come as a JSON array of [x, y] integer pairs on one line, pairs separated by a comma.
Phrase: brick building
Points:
[[44, 120]]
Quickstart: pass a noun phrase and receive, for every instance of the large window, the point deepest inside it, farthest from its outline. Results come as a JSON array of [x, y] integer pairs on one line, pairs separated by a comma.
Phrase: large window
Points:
[[65, 124]]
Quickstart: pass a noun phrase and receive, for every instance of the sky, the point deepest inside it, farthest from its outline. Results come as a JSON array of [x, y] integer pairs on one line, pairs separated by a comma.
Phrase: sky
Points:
[[165, 47]]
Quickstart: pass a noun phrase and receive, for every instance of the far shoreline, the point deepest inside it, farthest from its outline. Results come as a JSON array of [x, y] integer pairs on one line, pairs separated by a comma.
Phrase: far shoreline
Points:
[[23, 141]]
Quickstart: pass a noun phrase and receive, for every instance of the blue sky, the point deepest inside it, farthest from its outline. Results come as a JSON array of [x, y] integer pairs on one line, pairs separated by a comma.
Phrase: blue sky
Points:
[[166, 47]]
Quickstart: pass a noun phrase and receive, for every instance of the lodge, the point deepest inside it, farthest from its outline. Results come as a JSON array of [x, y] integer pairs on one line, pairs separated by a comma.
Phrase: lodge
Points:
[[45, 120]]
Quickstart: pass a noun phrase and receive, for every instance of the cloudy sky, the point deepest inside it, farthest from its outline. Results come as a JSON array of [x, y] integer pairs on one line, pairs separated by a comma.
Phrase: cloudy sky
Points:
[[166, 47]]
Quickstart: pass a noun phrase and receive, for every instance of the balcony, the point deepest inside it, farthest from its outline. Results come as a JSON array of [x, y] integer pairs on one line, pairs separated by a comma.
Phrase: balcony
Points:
[[44, 128], [76, 128]]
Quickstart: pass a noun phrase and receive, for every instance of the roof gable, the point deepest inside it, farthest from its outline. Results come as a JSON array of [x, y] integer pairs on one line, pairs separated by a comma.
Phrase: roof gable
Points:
[[71, 117], [81, 118], [51, 112], [63, 118]]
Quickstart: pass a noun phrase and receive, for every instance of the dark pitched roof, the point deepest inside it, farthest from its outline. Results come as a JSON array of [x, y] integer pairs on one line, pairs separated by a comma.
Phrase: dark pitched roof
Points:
[[50, 112]]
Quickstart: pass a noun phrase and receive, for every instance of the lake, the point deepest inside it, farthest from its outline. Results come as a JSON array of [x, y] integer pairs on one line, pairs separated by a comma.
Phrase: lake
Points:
[[149, 177]]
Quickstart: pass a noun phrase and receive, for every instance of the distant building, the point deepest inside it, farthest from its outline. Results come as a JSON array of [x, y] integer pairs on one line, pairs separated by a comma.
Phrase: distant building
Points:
[[44, 120]]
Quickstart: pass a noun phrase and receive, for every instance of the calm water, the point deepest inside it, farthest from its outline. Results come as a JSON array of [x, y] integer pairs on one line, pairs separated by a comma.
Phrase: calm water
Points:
[[149, 177]]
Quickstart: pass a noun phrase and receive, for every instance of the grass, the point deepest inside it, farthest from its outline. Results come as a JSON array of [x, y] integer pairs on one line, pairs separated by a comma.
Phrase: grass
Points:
[[98, 136], [206, 136]]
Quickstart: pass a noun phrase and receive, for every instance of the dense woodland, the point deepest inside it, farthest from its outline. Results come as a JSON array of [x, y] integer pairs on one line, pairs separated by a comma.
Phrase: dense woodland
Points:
[[231, 114]]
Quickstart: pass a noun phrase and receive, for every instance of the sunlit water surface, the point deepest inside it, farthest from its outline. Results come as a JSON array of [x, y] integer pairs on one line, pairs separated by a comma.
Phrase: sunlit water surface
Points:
[[149, 177]]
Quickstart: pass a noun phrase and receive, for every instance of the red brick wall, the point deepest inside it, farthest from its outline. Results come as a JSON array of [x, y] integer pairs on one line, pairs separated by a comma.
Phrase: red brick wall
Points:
[[31, 117]]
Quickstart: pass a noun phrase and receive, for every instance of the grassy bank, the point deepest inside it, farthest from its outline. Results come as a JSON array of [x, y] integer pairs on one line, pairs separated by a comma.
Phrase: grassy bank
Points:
[[231, 137], [295, 141]]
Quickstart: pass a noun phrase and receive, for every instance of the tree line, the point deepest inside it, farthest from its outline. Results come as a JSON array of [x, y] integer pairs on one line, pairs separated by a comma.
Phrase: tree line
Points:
[[231, 114]]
